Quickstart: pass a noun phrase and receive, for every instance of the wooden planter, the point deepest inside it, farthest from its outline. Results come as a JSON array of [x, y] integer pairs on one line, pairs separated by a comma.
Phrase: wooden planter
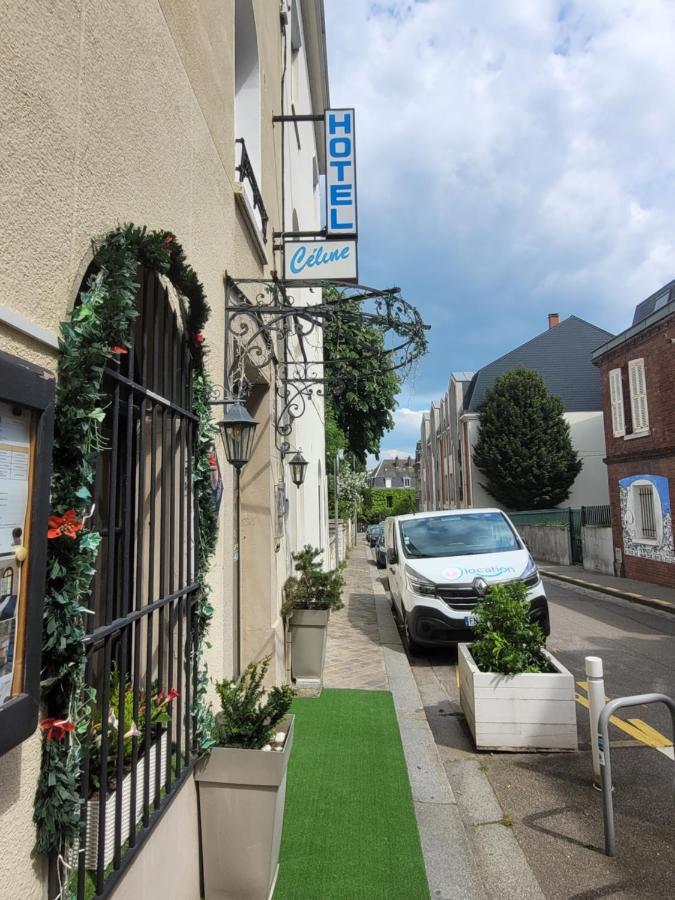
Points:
[[241, 811], [534, 711], [160, 749], [308, 642]]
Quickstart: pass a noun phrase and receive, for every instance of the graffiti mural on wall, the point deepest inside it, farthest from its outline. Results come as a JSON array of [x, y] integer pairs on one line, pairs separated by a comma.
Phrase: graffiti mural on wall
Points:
[[646, 517]]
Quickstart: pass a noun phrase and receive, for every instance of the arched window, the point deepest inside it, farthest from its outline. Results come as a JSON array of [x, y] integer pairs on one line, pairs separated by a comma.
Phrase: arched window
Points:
[[140, 641], [7, 582]]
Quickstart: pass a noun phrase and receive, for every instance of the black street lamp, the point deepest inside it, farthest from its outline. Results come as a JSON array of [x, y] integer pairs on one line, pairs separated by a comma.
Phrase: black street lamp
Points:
[[237, 429], [298, 466]]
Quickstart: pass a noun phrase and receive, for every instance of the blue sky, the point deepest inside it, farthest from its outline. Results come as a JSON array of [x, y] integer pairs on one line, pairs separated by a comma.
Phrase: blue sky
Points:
[[513, 159]]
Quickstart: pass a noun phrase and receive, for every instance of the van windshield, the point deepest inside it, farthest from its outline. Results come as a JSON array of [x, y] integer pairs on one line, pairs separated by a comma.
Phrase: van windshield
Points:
[[457, 535]]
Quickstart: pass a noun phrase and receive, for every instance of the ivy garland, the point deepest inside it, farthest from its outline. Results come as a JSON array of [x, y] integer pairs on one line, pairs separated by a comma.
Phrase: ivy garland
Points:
[[98, 331]]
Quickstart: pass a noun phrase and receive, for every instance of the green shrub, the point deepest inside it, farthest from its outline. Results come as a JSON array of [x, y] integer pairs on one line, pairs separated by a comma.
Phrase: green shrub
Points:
[[248, 718], [506, 641], [312, 588]]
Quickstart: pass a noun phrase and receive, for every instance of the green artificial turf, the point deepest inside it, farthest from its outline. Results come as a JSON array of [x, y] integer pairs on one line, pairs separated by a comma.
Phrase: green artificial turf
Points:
[[349, 823]]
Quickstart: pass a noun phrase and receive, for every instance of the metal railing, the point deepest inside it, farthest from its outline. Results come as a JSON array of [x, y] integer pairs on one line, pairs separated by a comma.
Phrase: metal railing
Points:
[[596, 515], [246, 173], [604, 755]]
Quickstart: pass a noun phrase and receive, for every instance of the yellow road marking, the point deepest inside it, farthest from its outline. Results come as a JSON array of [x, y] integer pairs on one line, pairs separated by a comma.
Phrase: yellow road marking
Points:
[[636, 728], [651, 733], [457, 675]]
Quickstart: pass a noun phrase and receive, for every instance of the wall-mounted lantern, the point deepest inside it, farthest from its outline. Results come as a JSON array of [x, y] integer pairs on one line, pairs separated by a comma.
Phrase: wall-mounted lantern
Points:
[[298, 466]]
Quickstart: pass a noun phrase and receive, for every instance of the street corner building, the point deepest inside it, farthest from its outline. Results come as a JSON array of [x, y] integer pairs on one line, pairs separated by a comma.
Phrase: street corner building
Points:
[[150, 176], [638, 371]]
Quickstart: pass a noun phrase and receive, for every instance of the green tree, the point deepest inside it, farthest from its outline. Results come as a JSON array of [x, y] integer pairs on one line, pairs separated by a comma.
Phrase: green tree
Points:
[[382, 502], [524, 447], [360, 382]]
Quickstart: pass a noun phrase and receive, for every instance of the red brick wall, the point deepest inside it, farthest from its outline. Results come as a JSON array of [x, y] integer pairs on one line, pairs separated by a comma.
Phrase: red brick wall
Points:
[[653, 454]]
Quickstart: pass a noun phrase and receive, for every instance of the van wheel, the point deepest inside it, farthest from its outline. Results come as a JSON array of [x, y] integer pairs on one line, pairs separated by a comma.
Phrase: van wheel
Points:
[[411, 644]]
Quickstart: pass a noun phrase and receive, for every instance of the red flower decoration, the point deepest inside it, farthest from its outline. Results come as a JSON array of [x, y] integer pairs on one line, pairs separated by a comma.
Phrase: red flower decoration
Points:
[[199, 337], [66, 525], [168, 241], [212, 460], [56, 729], [173, 693], [119, 350]]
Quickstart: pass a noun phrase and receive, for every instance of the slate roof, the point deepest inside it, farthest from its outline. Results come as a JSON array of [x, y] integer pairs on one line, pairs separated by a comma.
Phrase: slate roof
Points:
[[562, 356], [655, 302]]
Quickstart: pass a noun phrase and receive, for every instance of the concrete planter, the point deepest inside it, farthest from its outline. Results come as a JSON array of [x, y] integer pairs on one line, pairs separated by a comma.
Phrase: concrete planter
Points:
[[241, 811], [534, 711], [308, 642]]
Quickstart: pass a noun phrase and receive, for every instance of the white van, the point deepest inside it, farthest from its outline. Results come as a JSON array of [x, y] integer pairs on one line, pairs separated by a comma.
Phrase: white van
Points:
[[441, 563]]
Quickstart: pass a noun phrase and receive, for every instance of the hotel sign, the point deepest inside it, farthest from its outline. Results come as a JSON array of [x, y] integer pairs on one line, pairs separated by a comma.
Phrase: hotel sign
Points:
[[333, 257], [340, 172]]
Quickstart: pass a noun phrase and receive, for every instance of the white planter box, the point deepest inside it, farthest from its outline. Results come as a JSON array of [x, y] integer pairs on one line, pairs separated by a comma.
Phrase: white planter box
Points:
[[533, 711], [94, 805]]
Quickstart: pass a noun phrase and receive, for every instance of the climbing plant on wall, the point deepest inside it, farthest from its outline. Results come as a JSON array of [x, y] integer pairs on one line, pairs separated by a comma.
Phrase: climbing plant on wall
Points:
[[97, 332]]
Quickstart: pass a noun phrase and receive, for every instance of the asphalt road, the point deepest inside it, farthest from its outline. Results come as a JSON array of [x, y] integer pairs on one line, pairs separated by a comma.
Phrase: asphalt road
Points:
[[548, 798]]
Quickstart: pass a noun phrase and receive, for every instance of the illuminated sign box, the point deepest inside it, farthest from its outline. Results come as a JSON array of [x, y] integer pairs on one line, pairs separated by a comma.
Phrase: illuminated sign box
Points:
[[26, 425]]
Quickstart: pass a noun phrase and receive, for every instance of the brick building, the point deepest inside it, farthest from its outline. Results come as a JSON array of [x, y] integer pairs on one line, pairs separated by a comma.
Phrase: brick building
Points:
[[638, 375]]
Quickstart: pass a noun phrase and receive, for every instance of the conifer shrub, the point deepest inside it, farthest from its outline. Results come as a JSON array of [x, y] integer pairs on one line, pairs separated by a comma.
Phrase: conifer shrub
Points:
[[312, 588], [248, 714]]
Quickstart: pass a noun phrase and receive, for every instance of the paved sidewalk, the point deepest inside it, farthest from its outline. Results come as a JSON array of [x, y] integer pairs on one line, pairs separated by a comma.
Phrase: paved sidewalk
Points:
[[643, 592], [463, 861]]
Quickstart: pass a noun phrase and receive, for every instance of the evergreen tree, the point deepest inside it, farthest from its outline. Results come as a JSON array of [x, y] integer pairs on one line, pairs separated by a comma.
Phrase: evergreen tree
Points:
[[524, 447]]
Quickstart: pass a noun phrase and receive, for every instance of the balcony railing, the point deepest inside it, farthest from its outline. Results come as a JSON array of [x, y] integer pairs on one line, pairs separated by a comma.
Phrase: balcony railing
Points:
[[247, 175]]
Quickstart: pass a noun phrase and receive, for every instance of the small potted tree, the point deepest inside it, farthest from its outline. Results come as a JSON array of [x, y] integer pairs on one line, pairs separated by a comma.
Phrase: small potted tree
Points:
[[514, 693], [309, 598], [242, 787]]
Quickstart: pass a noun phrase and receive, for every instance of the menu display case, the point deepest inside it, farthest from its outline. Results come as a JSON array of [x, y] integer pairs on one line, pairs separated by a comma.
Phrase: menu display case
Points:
[[26, 429]]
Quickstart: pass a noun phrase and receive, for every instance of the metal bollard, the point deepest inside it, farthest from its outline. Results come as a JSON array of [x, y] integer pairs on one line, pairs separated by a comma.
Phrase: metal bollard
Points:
[[596, 701]]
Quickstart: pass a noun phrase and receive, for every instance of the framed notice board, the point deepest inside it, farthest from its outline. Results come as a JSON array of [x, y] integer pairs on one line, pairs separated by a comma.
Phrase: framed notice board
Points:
[[26, 428]]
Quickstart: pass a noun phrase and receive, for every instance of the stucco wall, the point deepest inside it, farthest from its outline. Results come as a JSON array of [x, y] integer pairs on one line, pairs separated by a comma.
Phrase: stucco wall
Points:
[[598, 549], [115, 112], [547, 543]]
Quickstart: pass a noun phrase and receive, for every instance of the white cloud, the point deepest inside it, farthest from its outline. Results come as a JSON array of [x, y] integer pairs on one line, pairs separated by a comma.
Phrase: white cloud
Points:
[[516, 140], [407, 420]]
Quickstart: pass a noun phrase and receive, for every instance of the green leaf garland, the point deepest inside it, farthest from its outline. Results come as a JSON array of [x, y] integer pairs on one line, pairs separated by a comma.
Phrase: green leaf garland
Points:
[[99, 326]]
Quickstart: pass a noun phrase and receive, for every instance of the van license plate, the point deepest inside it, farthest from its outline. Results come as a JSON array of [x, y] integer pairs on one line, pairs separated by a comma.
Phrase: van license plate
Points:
[[469, 621]]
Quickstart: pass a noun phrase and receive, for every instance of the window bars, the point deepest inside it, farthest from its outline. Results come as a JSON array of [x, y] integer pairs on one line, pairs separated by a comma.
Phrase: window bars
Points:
[[141, 664]]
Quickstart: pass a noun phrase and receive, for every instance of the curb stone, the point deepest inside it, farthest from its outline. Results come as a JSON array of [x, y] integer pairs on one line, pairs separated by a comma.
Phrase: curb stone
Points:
[[638, 599]]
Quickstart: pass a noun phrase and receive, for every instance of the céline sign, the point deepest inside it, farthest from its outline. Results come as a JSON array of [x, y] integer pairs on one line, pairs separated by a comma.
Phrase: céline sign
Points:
[[328, 260]]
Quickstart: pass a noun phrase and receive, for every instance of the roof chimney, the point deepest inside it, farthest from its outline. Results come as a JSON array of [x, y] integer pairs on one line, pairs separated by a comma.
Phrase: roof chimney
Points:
[[553, 320]]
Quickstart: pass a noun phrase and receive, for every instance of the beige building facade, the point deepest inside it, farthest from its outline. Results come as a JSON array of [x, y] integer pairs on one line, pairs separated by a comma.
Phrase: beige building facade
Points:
[[131, 112]]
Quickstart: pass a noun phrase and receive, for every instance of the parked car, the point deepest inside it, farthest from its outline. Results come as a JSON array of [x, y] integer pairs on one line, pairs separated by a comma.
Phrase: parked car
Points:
[[441, 563], [380, 552], [373, 534]]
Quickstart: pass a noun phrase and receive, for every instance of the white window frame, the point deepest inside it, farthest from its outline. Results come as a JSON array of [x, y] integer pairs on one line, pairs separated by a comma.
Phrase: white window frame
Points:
[[406, 481], [640, 537], [638, 396], [616, 403]]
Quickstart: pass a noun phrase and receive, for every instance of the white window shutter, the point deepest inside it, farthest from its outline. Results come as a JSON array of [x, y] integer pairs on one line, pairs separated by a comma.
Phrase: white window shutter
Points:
[[616, 398], [638, 395]]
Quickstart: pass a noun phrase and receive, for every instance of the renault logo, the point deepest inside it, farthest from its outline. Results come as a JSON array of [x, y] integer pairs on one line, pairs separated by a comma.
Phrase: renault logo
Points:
[[480, 586]]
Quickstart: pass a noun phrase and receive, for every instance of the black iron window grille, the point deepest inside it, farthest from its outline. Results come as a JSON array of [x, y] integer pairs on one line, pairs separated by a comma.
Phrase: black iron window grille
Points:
[[140, 645], [247, 175], [647, 512]]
